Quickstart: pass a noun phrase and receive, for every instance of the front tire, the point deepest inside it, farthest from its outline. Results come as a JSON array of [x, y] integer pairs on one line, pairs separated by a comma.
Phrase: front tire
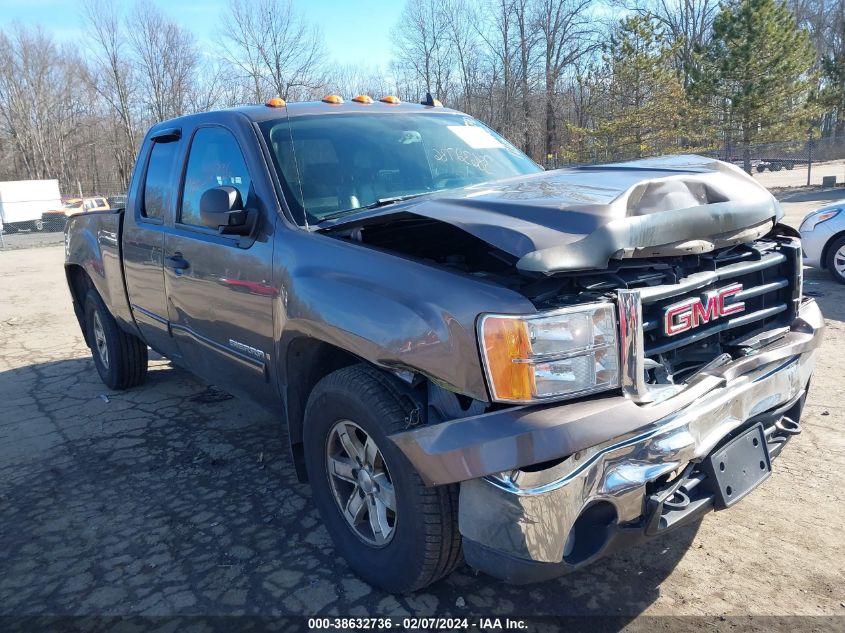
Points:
[[395, 532], [835, 260], [120, 358]]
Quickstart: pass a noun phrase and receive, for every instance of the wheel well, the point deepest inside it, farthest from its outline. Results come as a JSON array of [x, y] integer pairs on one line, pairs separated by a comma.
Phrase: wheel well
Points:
[[828, 244], [308, 361], [79, 283]]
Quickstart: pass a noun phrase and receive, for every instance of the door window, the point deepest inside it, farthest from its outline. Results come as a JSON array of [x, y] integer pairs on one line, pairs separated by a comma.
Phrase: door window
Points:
[[160, 180], [215, 160]]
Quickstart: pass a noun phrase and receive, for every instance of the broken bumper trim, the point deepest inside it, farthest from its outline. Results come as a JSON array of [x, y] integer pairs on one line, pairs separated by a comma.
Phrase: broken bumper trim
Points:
[[512, 438]]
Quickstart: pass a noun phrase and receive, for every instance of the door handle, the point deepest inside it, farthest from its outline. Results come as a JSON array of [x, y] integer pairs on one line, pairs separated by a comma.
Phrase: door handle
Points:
[[177, 262]]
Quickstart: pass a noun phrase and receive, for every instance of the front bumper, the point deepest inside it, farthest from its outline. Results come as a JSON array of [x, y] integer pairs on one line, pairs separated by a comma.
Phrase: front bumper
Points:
[[622, 460]]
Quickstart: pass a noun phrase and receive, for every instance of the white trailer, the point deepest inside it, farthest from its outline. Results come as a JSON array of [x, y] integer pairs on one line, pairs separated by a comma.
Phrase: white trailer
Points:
[[22, 203]]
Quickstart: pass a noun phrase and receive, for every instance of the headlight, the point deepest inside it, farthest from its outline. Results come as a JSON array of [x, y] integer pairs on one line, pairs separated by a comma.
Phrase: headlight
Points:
[[565, 353], [816, 218]]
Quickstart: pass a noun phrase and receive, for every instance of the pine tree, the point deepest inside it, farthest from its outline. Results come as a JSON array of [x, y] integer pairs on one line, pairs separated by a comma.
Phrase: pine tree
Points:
[[757, 71], [649, 110], [833, 90], [641, 107]]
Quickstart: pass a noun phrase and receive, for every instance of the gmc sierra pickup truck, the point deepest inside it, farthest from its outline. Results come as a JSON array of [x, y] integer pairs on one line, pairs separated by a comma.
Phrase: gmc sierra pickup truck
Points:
[[475, 359]]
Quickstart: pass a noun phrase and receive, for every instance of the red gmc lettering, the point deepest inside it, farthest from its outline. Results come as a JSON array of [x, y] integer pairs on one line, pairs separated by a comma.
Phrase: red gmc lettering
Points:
[[689, 314]]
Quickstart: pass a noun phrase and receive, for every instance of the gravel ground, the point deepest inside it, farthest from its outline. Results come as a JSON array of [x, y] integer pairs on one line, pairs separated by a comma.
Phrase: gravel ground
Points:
[[797, 177], [175, 499]]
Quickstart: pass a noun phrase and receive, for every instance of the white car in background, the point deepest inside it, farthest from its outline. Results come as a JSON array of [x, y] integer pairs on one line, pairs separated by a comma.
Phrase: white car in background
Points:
[[823, 239]]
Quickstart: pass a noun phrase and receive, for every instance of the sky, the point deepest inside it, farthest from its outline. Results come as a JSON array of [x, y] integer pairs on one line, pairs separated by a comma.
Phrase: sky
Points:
[[356, 31]]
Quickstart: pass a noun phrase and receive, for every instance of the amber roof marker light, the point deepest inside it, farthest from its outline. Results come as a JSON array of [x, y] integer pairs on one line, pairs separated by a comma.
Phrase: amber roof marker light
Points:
[[276, 102], [362, 99], [335, 99], [391, 100]]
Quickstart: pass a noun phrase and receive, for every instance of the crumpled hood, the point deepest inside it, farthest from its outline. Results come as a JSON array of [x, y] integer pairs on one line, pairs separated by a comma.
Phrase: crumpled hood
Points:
[[581, 218]]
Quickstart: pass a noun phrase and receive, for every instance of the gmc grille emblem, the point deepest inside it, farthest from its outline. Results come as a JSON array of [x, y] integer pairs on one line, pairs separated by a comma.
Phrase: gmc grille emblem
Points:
[[690, 313]]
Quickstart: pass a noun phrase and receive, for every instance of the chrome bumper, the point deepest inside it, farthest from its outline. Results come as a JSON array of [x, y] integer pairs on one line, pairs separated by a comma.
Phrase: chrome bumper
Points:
[[529, 514], [615, 447]]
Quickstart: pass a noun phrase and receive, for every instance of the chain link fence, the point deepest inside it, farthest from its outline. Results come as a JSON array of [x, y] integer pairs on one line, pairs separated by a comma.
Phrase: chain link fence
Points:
[[806, 162], [799, 155]]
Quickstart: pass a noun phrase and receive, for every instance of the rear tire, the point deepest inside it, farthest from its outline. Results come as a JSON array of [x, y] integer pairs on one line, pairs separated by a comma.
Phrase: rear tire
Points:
[[120, 358], [835, 260], [424, 543]]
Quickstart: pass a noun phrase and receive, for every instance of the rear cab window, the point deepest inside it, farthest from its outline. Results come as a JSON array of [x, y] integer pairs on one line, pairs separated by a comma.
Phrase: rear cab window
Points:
[[160, 181]]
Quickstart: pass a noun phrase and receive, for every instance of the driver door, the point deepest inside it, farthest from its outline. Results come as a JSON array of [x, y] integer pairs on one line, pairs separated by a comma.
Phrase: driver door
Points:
[[219, 287]]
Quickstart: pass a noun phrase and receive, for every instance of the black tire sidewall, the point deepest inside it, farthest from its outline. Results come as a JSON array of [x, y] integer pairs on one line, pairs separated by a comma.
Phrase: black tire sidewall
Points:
[[829, 259], [394, 566], [94, 303]]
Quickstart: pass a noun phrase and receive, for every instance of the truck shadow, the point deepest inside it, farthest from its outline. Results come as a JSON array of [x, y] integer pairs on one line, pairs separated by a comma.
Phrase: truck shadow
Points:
[[829, 294], [174, 498]]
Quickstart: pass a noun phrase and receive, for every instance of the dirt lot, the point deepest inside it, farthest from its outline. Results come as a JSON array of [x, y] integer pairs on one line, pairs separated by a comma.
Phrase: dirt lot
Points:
[[797, 177], [172, 498]]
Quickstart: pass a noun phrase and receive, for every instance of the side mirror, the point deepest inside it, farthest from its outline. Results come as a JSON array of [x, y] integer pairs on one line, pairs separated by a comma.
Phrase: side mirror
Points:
[[221, 208]]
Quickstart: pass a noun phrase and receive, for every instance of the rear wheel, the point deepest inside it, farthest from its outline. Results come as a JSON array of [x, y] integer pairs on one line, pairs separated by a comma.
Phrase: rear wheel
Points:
[[835, 260], [120, 358], [39, 225], [395, 532]]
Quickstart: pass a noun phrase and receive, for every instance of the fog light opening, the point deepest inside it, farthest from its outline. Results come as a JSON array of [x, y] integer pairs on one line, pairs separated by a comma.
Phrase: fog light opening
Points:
[[590, 532]]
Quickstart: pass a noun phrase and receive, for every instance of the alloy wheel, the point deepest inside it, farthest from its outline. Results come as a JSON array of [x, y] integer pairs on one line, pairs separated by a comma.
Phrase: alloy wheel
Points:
[[100, 340], [361, 483]]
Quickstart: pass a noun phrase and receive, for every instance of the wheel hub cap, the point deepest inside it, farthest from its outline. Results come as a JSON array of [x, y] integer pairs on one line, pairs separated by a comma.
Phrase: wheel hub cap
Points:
[[365, 482]]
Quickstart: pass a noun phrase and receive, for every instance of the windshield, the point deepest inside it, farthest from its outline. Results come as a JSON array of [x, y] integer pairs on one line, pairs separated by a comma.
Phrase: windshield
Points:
[[72, 204], [330, 165]]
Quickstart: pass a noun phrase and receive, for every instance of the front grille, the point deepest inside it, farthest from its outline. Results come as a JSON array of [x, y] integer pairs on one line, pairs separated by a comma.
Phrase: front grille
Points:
[[769, 274]]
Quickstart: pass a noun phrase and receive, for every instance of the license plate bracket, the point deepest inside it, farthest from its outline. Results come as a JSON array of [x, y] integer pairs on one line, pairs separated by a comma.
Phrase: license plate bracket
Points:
[[735, 469]]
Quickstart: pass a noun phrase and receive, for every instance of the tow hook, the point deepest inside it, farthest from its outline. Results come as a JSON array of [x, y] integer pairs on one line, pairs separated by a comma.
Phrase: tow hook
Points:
[[788, 426]]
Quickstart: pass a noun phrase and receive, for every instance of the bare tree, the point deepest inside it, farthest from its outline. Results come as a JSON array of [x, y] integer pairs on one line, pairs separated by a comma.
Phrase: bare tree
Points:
[[567, 35], [527, 33], [166, 59], [498, 34], [112, 75], [38, 105], [275, 48], [423, 42], [463, 39]]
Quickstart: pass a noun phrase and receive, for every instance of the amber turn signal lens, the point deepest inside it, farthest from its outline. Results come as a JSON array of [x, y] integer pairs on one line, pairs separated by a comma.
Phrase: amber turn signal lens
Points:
[[275, 102], [391, 100], [332, 99], [507, 349], [362, 99]]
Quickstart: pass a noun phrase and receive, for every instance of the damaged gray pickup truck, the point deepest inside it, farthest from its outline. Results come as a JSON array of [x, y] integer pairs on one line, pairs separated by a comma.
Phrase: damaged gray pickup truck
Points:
[[474, 358]]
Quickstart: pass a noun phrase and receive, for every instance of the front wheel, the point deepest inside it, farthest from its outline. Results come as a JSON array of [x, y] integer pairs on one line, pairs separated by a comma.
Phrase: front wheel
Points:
[[39, 225], [120, 358], [395, 532], [835, 260]]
